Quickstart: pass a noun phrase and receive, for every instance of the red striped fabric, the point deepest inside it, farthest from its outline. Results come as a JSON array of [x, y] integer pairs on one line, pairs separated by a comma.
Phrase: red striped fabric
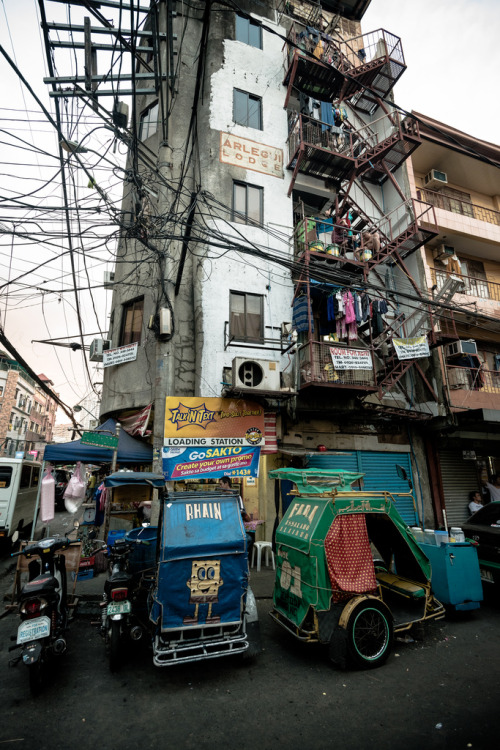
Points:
[[271, 445]]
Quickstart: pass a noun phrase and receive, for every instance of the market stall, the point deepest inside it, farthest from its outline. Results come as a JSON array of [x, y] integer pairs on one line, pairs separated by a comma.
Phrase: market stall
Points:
[[130, 452]]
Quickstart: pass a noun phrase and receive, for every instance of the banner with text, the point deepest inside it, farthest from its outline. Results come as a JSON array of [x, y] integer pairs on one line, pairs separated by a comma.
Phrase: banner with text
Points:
[[210, 463], [414, 348], [351, 359], [212, 437]]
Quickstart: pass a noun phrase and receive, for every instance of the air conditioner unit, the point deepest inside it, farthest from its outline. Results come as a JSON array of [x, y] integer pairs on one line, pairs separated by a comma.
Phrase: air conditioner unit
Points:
[[109, 279], [97, 347], [256, 374], [458, 348], [441, 252], [435, 179]]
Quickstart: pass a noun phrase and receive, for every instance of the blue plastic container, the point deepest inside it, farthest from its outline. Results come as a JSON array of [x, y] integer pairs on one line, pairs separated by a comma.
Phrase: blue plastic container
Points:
[[142, 556], [114, 535]]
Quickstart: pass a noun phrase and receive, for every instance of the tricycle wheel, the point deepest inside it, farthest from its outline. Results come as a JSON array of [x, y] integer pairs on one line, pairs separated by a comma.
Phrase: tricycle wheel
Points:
[[254, 641], [369, 634], [114, 645]]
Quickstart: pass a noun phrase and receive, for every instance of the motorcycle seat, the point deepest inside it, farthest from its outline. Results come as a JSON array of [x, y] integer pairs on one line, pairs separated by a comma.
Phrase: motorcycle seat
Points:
[[40, 584]]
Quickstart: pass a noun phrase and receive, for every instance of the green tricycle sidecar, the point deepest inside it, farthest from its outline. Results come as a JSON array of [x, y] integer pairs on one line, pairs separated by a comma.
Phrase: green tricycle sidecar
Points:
[[349, 572]]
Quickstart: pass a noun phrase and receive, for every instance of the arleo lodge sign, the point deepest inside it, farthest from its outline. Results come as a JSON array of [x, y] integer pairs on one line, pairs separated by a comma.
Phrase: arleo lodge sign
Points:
[[247, 154]]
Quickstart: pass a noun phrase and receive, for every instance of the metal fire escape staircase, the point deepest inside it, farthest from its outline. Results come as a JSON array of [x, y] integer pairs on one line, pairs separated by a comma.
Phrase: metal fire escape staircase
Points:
[[359, 69], [418, 323], [320, 150]]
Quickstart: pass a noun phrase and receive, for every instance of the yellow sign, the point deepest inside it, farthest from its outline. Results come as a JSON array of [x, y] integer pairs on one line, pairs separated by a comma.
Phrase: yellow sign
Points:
[[247, 154], [213, 423]]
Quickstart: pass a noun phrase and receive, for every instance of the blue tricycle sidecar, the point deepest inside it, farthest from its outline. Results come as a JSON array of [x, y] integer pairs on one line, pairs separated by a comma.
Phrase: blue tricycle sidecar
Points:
[[201, 605]]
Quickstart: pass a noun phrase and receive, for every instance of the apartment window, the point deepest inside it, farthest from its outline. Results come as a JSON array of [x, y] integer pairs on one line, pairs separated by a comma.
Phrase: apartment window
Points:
[[248, 203], [149, 122], [457, 201], [246, 320], [475, 282], [132, 322], [249, 32], [247, 109]]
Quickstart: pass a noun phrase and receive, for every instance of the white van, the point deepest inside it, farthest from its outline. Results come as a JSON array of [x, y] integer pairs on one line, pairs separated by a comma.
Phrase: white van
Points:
[[19, 480]]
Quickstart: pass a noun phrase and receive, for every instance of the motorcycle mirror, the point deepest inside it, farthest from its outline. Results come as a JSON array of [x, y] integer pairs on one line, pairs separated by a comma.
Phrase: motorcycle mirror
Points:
[[15, 537]]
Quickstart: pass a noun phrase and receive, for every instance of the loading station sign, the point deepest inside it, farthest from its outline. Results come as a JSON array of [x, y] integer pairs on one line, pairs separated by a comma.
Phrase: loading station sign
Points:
[[99, 440]]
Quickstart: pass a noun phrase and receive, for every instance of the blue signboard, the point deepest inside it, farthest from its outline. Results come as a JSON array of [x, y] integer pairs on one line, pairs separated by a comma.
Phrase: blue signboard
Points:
[[210, 462]]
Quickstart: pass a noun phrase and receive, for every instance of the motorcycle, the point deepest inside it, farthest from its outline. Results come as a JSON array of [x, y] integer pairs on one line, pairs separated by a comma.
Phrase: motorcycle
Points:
[[43, 607], [124, 593]]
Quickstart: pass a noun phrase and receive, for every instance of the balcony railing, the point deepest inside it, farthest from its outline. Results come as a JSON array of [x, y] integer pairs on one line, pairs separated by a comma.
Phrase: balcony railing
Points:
[[316, 368], [473, 379], [456, 206], [472, 286], [356, 144], [394, 231]]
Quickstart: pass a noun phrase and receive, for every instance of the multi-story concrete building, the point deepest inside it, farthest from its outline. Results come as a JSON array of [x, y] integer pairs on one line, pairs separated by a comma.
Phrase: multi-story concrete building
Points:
[[459, 175], [272, 237], [27, 413], [17, 391], [291, 136]]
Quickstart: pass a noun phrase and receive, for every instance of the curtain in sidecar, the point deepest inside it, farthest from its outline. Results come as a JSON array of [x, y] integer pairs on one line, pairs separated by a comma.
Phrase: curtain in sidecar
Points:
[[203, 566]]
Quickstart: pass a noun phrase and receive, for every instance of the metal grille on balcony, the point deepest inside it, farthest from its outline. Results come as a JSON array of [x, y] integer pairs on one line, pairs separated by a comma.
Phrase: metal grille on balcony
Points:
[[457, 206], [316, 368]]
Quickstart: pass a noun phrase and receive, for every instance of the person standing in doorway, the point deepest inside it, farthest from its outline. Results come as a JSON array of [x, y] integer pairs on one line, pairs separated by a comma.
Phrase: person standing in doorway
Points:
[[225, 484], [493, 487]]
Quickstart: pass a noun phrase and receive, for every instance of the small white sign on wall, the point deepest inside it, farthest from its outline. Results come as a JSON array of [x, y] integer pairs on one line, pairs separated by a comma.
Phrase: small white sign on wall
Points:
[[120, 355]]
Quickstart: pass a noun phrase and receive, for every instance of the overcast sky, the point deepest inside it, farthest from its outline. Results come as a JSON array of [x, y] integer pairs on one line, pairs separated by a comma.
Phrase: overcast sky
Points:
[[452, 53], [452, 50]]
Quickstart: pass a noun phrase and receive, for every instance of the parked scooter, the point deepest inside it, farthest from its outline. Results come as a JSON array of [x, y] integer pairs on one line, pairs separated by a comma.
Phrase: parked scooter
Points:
[[121, 603], [43, 608]]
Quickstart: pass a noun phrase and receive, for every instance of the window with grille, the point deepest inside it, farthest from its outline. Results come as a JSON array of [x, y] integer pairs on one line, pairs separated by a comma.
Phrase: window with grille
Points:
[[247, 109], [248, 31], [457, 201], [248, 203], [132, 316], [475, 278], [149, 122], [246, 320]]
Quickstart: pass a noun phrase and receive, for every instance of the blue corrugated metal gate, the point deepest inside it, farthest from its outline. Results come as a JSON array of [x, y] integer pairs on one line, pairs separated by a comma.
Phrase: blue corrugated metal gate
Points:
[[380, 474]]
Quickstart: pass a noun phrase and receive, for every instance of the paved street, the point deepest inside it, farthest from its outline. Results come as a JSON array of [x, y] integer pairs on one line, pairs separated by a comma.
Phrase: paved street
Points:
[[440, 693]]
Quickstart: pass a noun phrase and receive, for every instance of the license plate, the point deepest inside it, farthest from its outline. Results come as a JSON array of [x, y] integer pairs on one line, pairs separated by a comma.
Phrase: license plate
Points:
[[119, 608], [486, 575], [32, 630]]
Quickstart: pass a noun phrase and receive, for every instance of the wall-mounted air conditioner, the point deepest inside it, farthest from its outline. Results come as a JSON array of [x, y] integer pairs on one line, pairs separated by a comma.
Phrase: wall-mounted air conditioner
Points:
[[109, 279], [442, 252], [435, 179], [97, 347], [459, 348], [256, 374]]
